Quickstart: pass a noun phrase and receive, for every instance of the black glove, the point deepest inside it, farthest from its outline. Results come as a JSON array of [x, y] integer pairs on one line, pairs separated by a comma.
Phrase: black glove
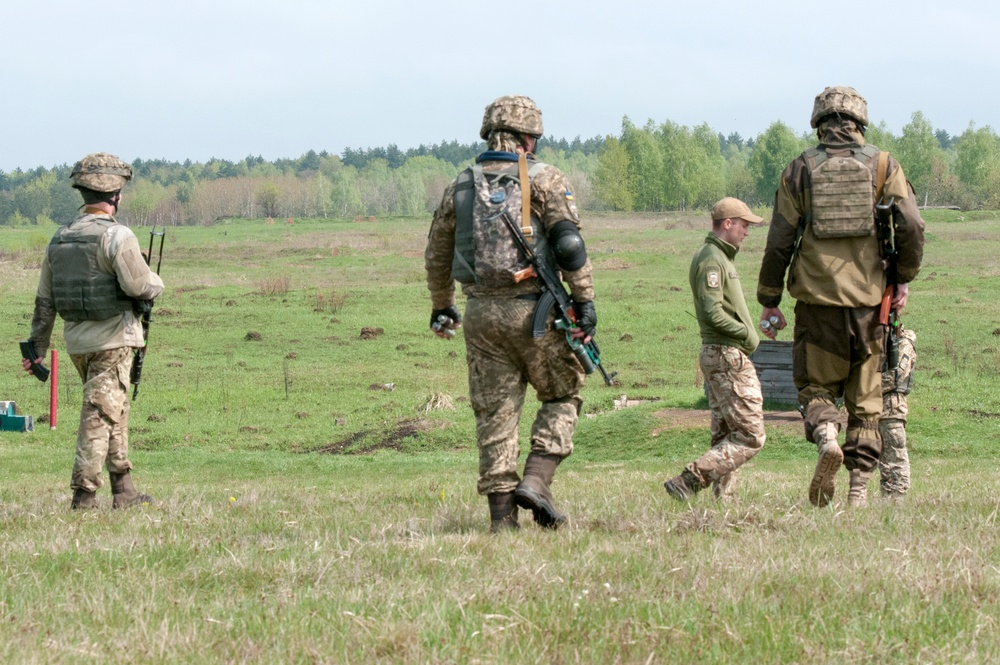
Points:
[[586, 317], [450, 312]]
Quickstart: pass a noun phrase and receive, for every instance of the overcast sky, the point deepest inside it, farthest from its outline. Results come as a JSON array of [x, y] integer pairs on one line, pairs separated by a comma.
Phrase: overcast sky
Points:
[[196, 79]]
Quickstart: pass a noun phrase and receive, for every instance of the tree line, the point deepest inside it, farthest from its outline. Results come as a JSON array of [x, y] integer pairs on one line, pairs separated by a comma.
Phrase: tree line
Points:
[[653, 167]]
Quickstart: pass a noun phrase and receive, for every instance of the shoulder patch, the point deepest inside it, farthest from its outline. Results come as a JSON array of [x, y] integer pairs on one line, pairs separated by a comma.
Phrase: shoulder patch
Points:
[[713, 279]]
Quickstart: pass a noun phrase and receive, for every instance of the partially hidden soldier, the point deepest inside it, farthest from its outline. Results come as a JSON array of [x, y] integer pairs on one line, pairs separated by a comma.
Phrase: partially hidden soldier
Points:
[[728, 337], [469, 243], [93, 275], [823, 234], [897, 382]]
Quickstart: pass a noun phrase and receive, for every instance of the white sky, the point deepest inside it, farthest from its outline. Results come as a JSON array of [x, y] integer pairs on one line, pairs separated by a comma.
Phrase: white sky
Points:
[[196, 79]]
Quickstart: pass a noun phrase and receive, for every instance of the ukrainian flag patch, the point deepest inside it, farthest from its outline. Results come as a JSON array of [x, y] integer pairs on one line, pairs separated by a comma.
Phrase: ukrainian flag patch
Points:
[[569, 195]]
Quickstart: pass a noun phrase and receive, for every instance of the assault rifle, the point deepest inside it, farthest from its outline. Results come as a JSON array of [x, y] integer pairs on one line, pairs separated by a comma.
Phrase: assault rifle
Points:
[[145, 308], [554, 295], [887, 248]]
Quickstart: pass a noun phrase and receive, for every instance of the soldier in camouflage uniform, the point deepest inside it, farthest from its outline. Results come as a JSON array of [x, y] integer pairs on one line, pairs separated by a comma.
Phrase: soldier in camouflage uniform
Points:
[[92, 275], [894, 464], [468, 243], [823, 234], [728, 336]]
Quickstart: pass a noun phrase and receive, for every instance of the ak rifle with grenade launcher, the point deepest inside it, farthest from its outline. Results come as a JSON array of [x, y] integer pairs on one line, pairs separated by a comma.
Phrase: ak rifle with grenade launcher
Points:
[[554, 295]]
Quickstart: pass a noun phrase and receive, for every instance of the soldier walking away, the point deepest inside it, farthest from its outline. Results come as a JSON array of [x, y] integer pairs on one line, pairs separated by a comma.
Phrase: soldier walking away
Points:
[[834, 204], [93, 276], [728, 337], [897, 381], [470, 242]]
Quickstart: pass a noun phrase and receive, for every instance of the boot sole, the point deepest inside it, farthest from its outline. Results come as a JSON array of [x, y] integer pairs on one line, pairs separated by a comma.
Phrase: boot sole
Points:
[[821, 487], [545, 514], [676, 492]]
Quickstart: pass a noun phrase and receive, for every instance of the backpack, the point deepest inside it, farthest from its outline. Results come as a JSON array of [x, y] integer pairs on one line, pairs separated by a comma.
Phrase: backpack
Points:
[[485, 252]]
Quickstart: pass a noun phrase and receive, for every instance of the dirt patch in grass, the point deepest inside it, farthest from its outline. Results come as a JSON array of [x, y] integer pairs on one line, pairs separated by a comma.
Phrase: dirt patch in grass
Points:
[[404, 429]]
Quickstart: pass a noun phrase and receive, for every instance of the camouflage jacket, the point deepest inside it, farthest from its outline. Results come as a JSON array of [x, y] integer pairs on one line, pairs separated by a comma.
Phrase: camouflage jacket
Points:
[[119, 255], [551, 202], [843, 272]]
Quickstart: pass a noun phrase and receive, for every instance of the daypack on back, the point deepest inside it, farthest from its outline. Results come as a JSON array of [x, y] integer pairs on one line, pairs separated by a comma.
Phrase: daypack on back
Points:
[[485, 252], [843, 192]]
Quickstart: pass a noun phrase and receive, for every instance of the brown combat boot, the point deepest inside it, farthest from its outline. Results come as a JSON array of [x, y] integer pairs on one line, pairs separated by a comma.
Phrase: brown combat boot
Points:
[[83, 500], [857, 495], [830, 458], [503, 512], [533, 493], [124, 492], [683, 487]]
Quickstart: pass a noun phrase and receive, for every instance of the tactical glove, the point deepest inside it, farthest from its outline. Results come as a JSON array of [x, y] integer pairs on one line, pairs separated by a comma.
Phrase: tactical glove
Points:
[[586, 317], [450, 312]]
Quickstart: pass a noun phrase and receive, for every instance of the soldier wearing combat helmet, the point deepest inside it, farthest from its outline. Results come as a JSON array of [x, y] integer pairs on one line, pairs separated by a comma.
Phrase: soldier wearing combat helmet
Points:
[[833, 203], [502, 355], [92, 275]]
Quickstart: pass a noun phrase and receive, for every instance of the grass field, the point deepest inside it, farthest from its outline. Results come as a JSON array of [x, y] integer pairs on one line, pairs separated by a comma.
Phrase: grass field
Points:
[[315, 496]]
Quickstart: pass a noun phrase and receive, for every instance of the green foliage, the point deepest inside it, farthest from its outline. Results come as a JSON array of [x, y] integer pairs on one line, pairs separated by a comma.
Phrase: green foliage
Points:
[[775, 148], [613, 179]]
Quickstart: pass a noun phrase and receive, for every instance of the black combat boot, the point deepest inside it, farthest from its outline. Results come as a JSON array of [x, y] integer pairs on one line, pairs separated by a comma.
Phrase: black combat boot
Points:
[[503, 512], [83, 500], [124, 492], [533, 493]]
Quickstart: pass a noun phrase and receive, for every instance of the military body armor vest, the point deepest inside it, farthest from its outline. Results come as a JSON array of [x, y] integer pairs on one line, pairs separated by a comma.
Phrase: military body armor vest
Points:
[[81, 291], [485, 252], [843, 192]]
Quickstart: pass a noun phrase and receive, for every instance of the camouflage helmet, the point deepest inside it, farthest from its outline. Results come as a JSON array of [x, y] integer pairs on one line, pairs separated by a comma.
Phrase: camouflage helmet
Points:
[[842, 100], [100, 172], [514, 113]]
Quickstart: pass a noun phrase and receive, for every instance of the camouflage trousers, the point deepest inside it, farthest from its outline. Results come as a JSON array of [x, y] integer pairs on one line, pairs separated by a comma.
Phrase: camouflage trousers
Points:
[[737, 406], [103, 435], [894, 464], [503, 359], [837, 352]]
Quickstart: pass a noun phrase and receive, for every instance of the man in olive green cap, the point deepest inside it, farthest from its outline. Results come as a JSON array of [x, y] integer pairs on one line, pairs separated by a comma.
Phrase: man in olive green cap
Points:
[[834, 205], [93, 274], [469, 243], [728, 337]]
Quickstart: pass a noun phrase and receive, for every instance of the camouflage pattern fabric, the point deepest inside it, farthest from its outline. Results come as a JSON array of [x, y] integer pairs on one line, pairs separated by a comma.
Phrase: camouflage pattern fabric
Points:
[[101, 172], [837, 352], [503, 359], [515, 113], [840, 99], [894, 464], [737, 406], [102, 439]]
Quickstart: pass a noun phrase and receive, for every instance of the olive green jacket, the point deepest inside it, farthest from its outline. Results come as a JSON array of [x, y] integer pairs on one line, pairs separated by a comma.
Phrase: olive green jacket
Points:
[[719, 304]]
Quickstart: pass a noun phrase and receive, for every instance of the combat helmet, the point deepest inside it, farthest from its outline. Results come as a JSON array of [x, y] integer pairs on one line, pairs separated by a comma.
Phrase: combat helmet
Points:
[[842, 100], [100, 172], [513, 113]]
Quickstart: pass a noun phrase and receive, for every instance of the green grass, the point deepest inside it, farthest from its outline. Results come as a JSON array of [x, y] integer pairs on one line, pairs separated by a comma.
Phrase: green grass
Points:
[[260, 549]]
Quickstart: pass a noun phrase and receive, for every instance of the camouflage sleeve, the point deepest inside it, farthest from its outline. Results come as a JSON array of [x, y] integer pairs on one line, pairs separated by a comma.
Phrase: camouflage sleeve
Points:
[[44, 317], [552, 201], [440, 252], [125, 260], [781, 236], [909, 226]]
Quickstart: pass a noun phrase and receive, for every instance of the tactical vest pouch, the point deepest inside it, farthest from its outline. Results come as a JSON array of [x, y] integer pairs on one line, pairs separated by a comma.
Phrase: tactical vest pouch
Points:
[[843, 199]]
